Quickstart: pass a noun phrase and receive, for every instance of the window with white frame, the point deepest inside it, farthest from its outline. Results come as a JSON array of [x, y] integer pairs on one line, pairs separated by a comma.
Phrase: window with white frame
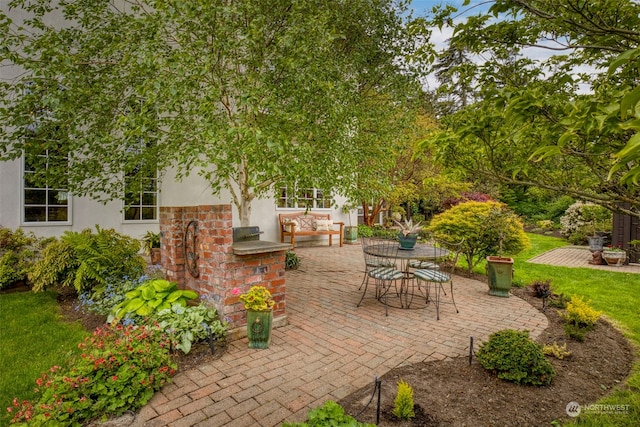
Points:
[[311, 198], [141, 198], [42, 203]]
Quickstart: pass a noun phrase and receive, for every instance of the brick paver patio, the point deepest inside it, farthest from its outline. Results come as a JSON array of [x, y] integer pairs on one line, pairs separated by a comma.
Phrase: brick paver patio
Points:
[[330, 348]]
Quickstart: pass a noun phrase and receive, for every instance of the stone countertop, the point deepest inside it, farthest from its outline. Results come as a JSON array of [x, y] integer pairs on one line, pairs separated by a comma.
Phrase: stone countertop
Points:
[[252, 247]]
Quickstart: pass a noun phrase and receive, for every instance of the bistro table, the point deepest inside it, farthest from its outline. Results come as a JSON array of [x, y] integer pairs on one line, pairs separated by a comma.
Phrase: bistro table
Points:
[[420, 252]]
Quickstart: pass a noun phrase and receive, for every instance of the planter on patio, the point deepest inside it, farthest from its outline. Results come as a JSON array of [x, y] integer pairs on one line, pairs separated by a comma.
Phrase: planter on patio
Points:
[[259, 325], [500, 275], [596, 243], [614, 258]]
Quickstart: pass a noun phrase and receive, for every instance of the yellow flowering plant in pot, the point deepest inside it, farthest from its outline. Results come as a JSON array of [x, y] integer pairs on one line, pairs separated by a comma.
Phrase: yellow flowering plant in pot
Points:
[[259, 305]]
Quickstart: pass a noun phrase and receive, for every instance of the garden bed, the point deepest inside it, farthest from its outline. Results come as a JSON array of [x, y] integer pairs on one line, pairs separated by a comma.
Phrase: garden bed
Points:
[[453, 393]]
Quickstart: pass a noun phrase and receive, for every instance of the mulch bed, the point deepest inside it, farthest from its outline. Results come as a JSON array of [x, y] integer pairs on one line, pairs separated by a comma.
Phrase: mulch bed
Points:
[[454, 393]]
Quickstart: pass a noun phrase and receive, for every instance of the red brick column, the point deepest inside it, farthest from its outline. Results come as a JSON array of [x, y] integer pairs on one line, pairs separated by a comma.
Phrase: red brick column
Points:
[[220, 270]]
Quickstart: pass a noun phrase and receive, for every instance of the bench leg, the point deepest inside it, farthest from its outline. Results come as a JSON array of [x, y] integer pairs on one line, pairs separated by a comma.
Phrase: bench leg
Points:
[[330, 239], [293, 241]]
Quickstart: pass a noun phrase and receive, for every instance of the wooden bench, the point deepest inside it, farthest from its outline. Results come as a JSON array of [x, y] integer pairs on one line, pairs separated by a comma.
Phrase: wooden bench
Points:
[[309, 224]]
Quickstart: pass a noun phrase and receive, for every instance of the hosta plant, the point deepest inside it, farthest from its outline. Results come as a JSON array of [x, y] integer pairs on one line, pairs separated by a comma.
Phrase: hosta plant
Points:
[[187, 325], [152, 297]]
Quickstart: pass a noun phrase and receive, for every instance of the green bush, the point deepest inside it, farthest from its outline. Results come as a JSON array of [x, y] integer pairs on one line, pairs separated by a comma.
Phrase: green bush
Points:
[[579, 318], [119, 370], [403, 403], [513, 356], [488, 228], [291, 260], [187, 325], [584, 219], [18, 252], [86, 260], [329, 414]]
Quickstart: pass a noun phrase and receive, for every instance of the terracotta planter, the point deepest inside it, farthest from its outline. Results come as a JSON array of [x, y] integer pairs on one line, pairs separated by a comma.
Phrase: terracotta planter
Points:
[[259, 324], [500, 275], [614, 258]]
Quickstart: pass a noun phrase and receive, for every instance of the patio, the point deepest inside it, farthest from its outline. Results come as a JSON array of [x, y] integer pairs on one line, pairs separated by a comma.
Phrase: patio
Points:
[[330, 348]]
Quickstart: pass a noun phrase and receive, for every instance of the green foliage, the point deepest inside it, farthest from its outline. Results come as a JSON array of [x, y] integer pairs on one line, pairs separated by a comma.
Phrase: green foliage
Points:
[[486, 227], [187, 325], [102, 300], [258, 298], [119, 369], [403, 403], [18, 252], [151, 297], [584, 219], [291, 260], [326, 73], [329, 414], [150, 240], [556, 351], [515, 357], [579, 318], [86, 260]]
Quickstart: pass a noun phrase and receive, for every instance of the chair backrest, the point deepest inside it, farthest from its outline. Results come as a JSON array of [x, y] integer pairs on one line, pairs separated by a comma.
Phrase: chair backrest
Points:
[[448, 262], [380, 252]]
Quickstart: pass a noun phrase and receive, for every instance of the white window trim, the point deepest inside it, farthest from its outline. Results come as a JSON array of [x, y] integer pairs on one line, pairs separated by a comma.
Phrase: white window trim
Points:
[[298, 208], [23, 220]]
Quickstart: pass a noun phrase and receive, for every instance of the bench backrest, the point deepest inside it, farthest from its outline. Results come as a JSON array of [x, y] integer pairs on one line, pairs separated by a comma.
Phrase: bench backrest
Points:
[[305, 222]]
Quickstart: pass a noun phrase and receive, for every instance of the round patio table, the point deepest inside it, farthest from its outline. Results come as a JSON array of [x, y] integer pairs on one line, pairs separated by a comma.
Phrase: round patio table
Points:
[[407, 291]]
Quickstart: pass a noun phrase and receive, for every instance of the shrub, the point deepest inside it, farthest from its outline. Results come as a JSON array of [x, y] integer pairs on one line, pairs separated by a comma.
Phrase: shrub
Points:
[[584, 219], [541, 288], [556, 351], [86, 260], [18, 252], [486, 227], [119, 370], [187, 325], [403, 403], [291, 261], [515, 357], [329, 414], [102, 300], [579, 318]]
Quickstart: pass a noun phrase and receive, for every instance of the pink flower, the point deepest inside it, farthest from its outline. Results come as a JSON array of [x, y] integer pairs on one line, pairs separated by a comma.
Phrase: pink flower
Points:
[[235, 291]]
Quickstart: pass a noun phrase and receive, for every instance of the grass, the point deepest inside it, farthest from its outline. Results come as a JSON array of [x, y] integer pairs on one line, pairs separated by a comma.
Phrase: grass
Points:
[[615, 294], [32, 339]]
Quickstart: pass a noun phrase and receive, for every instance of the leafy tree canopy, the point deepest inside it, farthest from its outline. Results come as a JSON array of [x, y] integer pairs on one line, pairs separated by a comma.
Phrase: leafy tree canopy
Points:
[[545, 122], [246, 93]]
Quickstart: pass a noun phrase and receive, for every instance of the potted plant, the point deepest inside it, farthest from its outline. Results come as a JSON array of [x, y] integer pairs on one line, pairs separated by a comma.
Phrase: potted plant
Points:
[[499, 268], [259, 305], [615, 256], [350, 231], [408, 235], [151, 246]]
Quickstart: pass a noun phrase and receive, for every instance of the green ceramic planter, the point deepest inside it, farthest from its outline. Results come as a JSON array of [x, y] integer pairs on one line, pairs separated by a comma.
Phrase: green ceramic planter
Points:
[[259, 324], [407, 242], [500, 274], [350, 234]]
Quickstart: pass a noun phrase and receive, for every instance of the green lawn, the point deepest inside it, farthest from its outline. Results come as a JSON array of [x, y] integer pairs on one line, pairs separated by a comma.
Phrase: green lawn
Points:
[[32, 339], [615, 294]]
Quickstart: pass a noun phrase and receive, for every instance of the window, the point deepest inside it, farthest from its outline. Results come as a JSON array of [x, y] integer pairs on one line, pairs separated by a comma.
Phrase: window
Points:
[[42, 203], [141, 198], [312, 198]]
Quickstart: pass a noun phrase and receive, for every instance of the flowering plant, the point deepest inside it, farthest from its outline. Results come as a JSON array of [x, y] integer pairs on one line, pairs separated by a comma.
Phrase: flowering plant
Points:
[[614, 249], [409, 227], [258, 298]]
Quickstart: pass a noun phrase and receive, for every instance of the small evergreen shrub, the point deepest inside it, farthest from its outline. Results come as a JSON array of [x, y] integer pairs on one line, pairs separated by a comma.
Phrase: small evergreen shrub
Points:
[[579, 318], [513, 356], [403, 403], [556, 351]]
